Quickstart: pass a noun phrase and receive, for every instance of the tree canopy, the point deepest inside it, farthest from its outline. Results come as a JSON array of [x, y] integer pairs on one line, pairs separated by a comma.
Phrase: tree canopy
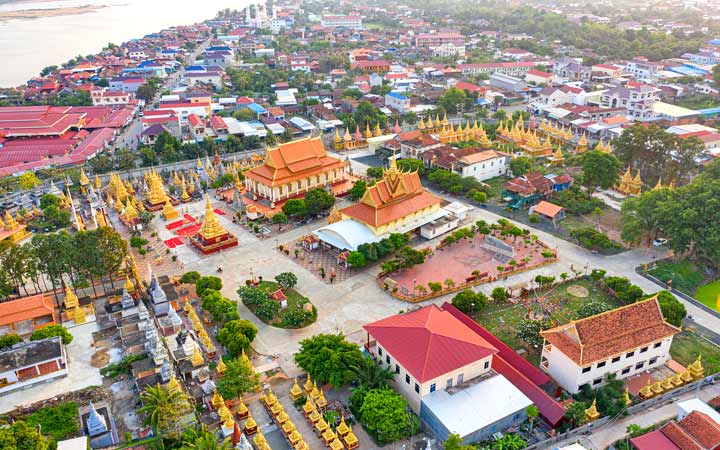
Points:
[[239, 378], [600, 170], [237, 335], [328, 358], [386, 416]]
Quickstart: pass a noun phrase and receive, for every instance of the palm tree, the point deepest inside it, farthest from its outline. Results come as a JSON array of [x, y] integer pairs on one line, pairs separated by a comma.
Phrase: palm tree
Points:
[[163, 408], [203, 439], [369, 374]]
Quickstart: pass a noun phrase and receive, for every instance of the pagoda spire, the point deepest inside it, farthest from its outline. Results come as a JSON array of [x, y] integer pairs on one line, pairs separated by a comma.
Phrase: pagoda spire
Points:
[[211, 226]]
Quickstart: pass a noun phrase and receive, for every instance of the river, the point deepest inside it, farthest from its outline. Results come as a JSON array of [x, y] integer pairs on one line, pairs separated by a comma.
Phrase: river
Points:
[[29, 45]]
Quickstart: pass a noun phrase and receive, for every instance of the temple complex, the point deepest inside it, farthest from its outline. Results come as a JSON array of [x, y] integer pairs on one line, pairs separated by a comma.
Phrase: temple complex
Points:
[[397, 203], [527, 139], [293, 168], [629, 185], [212, 237], [352, 141]]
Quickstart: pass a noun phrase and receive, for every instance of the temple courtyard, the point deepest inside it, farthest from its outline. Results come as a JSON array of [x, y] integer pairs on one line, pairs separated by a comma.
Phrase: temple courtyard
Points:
[[346, 305]]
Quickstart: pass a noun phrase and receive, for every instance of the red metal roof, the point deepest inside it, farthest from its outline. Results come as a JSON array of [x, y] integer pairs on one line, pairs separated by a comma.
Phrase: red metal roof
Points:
[[654, 440], [429, 342]]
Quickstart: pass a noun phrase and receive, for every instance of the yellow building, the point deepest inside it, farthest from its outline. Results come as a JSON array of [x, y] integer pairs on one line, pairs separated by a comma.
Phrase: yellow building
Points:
[[12, 230]]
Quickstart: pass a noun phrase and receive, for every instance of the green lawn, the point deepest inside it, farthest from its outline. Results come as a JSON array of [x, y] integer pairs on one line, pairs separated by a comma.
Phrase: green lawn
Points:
[[708, 294], [687, 346], [685, 275], [294, 303], [496, 186], [503, 319]]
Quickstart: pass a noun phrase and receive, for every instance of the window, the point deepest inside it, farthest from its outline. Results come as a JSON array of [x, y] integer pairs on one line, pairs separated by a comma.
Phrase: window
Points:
[[586, 369], [387, 359], [487, 364], [432, 387], [629, 354], [601, 364], [449, 383], [639, 365], [460, 378], [597, 381], [652, 361], [616, 359], [379, 351], [643, 350], [657, 344], [417, 388], [407, 378], [397, 368], [625, 371]]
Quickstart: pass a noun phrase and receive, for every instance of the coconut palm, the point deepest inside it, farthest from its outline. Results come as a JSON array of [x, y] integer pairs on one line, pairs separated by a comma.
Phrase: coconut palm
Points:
[[369, 374], [164, 408], [203, 439]]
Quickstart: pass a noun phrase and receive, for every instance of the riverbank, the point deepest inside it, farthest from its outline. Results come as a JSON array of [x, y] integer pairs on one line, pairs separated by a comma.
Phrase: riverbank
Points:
[[39, 13]]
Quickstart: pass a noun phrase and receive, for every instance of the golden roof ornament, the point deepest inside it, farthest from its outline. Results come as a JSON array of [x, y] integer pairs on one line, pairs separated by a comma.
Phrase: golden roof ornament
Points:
[[646, 391], [211, 227], [71, 299], [84, 180], [221, 367], [173, 385], [197, 358], [592, 413], [696, 369]]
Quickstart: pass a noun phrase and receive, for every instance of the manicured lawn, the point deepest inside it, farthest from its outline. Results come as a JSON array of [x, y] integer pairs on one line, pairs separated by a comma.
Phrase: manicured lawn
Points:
[[708, 294], [294, 302], [687, 346], [503, 319], [685, 275]]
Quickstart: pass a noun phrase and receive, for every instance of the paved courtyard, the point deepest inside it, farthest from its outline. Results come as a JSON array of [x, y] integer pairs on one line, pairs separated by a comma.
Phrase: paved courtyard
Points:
[[345, 306], [457, 261]]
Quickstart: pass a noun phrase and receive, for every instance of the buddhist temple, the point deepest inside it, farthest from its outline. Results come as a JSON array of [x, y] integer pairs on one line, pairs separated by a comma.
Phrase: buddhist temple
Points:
[[156, 197], [397, 203], [582, 144], [352, 141], [293, 168], [212, 237], [629, 185], [169, 212], [11, 230], [129, 216]]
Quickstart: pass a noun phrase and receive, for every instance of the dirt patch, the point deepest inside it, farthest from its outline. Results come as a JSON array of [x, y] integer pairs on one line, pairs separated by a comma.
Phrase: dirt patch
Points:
[[578, 291], [100, 359]]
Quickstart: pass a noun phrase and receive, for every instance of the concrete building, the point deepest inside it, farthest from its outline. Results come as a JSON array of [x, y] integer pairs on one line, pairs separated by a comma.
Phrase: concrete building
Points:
[[29, 363], [624, 341], [502, 81], [638, 100], [352, 20], [642, 69], [444, 370], [398, 102], [437, 39]]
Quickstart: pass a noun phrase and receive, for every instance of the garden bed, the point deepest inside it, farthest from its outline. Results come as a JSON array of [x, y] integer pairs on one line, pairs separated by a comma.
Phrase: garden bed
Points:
[[294, 304]]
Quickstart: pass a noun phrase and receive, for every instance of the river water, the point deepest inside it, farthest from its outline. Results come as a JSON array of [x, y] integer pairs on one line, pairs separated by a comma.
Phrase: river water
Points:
[[29, 45]]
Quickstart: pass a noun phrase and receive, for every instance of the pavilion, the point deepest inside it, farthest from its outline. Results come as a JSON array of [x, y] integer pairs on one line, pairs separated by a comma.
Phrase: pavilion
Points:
[[396, 204]]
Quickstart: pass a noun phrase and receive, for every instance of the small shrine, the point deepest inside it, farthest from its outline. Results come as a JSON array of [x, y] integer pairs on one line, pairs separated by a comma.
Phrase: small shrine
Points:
[[212, 237], [629, 185], [129, 216], [582, 145], [12, 230], [169, 212], [592, 414], [351, 141], [557, 158]]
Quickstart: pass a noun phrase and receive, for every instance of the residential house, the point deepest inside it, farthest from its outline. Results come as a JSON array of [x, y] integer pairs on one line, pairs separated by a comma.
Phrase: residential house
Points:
[[438, 39], [697, 431], [570, 69], [398, 102], [106, 97], [642, 69], [637, 99], [624, 342], [538, 77]]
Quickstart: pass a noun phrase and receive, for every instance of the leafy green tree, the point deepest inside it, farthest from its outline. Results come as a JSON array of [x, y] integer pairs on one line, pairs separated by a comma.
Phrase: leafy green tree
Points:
[[521, 165], [49, 331], [575, 413], [22, 436], [286, 280], [28, 180], [238, 379], [716, 75], [318, 200], [203, 439], [191, 277], [529, 331], [386, 416], [454, 442], [532, 413], [672, 309], [236, 336], [164, 410], [252, 296], [295, 207], [9, 340], [221, 309], [146, 92], [600, 170], [469, 302], [370, 375], [267, 310], [452, 99], [358, 190], [499, 294], [592, 309], [208, 282], [356, 259], [280, 218], [411, 165], [328, 358], [642, 216]]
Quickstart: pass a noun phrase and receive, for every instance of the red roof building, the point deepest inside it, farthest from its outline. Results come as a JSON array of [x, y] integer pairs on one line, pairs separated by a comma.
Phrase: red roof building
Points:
[[696, 431], [24, 315]]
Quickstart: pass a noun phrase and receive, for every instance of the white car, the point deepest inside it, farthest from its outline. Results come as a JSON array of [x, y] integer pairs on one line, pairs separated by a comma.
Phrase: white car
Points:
[[659, 242]]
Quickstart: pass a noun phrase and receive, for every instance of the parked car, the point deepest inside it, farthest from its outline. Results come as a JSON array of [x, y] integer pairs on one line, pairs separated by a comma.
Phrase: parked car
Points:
[[659, 242]]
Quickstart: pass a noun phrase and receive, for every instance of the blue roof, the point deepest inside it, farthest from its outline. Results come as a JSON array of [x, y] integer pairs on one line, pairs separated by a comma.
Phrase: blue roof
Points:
[[218, 48], [686, 69], [397, 95], [714, 42], [709, 111], [482, 101], [254, 107], [195, 68]]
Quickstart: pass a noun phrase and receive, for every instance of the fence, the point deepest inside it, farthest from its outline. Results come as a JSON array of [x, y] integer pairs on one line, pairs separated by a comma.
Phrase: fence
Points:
[[682, 295], [668, 397]]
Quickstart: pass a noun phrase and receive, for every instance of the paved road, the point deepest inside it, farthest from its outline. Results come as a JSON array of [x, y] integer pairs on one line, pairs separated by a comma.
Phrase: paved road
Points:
[[603, 436]]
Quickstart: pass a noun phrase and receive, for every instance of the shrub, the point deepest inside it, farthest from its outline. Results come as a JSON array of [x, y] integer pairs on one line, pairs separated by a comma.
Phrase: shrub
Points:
[[435, 286], [534, 218], [137, 242], [547, 253], [58, 421], [590, 238], [293, 318], [191, 277], [52, 331], [9, 340]]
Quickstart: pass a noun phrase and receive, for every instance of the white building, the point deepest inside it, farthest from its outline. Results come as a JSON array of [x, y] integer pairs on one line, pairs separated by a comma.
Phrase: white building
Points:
[[448, 49], [624, 341], [637, 100], [443, 369], [398, 102], [32, 362], [642, 69], [214, 78], [106, 97], [484, 165], [352, 20]]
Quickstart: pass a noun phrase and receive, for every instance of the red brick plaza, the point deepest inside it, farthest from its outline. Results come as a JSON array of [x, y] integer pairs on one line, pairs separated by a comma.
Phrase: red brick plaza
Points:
[[459, 260]]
